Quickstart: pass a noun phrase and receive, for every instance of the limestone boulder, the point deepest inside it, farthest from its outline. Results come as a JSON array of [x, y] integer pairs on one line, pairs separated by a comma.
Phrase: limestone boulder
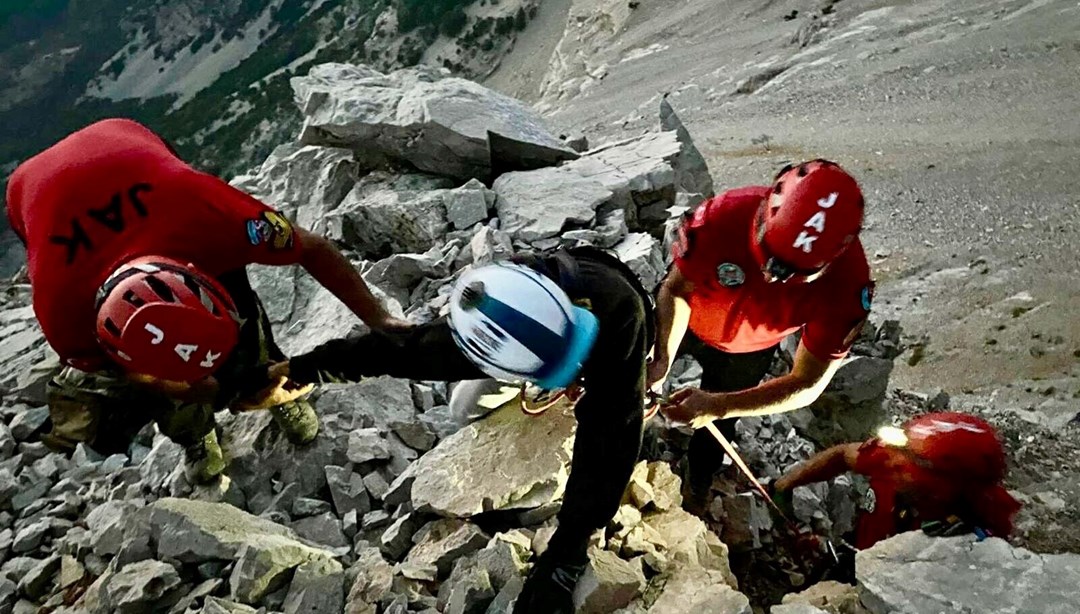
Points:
[[851, 408], [505, 461], [304, 314], [693, 589], [422, 117], [609, 583], [691, 171], [913, 573], [540, 204], [645, 257], [302, 182]]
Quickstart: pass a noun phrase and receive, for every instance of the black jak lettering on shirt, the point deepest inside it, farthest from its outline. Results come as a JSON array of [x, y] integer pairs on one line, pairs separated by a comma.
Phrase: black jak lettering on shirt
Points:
[[111, 216]]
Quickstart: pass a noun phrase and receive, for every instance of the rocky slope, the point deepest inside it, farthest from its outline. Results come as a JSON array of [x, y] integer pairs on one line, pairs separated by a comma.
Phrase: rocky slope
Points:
[[400, 506], [951, 115], [949, 112]]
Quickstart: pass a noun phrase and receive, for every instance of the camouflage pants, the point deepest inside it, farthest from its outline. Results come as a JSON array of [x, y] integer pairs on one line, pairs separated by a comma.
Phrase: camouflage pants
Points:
[[106, 411]]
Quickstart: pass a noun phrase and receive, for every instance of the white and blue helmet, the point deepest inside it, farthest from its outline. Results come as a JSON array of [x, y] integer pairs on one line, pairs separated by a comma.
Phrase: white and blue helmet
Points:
[[516, 324]]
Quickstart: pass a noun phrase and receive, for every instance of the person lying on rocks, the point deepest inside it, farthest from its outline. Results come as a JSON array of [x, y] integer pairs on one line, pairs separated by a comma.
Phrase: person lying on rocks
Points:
[[577, 316], [751, 267], [137, 266], [941, 472]]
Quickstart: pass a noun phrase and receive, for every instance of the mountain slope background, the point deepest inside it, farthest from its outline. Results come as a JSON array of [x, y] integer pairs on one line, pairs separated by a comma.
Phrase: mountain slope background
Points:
[[212, 76], [957, 116]]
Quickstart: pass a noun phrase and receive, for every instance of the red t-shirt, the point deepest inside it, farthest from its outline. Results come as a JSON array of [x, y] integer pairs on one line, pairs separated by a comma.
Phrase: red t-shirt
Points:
[[735, 310], [884, 516], [114, 191]]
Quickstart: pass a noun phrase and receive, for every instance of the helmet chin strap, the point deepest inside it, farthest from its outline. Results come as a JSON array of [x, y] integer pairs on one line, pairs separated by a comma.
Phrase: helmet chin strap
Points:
[[805, 279]]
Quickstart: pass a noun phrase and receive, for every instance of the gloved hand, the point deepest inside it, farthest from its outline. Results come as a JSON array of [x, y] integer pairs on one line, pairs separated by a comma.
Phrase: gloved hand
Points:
[[274, 388], [549, 589]]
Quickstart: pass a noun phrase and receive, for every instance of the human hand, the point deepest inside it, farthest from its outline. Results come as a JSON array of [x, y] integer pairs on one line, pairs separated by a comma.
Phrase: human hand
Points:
[[278, 369], [394, 329], [693, 407], [390, 325]]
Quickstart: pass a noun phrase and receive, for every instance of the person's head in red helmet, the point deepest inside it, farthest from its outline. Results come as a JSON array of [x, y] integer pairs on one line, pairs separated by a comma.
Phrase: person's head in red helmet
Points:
[[956, 462], [957, 445], [812, 214], [161, 319]]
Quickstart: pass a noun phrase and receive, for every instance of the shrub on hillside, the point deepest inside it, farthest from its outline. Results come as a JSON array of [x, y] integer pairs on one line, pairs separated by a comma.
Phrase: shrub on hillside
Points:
[[413, 14], [453, 22]]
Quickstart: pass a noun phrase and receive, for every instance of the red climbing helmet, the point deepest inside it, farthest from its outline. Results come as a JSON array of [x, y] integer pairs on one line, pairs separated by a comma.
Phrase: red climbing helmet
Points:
[[162, 318], [813, 213], [957, 445], [958, 457]]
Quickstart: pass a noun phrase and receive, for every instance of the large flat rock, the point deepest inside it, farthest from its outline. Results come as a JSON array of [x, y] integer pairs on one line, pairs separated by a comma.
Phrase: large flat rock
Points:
[[540, 204], [636, 176], [196, 531], [505, 461], [423, 117], [914, 574], [702, 591]]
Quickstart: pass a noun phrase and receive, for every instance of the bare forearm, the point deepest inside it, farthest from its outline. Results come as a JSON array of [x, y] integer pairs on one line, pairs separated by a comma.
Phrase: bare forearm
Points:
[[776, 396], [331, 269], [821, 467], [673, 318]]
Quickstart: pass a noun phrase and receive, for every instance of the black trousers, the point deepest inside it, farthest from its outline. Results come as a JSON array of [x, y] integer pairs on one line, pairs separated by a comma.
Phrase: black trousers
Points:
[[720, 372], [609, 417]]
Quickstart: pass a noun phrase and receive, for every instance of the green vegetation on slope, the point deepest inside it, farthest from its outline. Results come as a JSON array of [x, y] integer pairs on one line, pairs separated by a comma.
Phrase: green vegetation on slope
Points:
[[59, 109]]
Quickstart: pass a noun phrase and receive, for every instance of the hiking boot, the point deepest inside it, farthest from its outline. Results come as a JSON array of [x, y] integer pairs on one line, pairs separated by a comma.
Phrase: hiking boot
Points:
[[549, 587], [204, 459], [298, 420]]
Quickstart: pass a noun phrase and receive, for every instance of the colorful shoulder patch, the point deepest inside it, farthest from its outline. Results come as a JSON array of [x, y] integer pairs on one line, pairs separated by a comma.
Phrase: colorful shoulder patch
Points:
[[271, 229], [867, 296], [730, 275]]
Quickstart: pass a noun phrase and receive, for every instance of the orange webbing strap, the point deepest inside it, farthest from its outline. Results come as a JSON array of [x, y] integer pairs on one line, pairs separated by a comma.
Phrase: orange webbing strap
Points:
[[572, 394], [797, 537], [741, 464], [548, 400]]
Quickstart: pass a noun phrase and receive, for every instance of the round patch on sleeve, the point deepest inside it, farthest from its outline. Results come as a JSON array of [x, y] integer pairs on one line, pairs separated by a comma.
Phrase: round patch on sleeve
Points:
[[867, 297], [730, 275], [869, 502], [271, 229]]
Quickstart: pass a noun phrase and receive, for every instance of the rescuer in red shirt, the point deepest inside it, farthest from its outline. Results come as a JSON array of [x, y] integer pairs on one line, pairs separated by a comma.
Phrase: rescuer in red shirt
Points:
[[137, 267], [941, 472], [753, 266]]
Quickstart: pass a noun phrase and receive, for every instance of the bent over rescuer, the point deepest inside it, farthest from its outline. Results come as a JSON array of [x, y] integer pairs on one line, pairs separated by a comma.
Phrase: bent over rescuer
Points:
[[137, 267], [576, 316]]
